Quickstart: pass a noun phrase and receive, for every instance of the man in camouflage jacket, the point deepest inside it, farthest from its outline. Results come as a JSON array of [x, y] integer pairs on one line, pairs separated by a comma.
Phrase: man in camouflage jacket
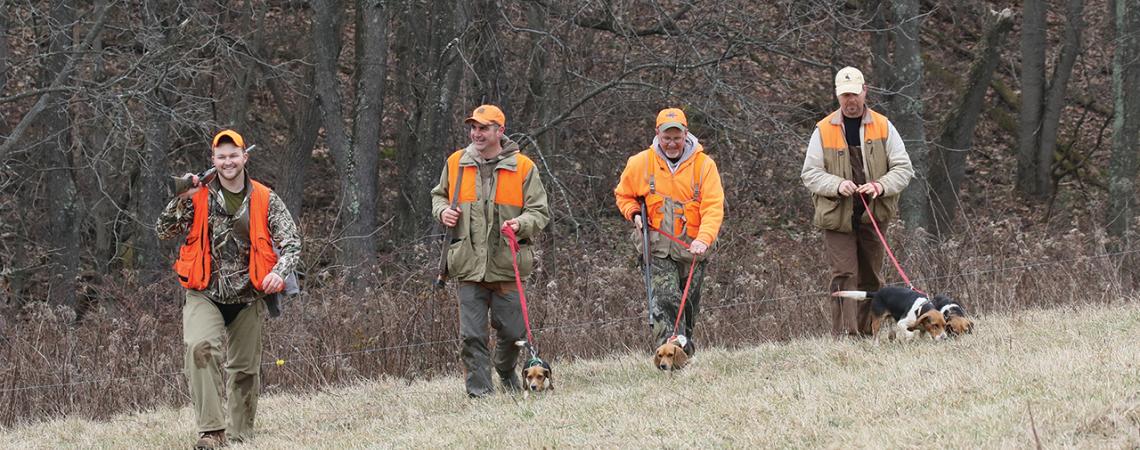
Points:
[[226, 300]]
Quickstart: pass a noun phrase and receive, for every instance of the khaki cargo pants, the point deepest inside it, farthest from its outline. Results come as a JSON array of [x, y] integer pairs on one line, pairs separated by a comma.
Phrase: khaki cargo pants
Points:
[[203, 328], [855, 260], [501, 299]]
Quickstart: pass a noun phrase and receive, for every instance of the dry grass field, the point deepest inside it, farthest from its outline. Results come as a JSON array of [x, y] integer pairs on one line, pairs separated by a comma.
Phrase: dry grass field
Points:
[[1054, 378]]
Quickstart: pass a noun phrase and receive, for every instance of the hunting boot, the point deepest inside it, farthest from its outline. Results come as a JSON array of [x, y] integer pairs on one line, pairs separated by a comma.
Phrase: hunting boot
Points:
[[211, 440]]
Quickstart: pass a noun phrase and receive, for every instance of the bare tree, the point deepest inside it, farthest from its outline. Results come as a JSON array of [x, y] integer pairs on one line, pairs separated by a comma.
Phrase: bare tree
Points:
[[948, 155], [429, 57], [1126, 119], [908, 112], [1041, 103], [356, 155]]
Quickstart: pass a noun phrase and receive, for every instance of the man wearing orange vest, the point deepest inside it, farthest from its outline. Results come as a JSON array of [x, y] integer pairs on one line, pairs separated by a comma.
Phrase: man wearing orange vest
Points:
[[227, 265], [484, 187], [854, 152], [680, 185]]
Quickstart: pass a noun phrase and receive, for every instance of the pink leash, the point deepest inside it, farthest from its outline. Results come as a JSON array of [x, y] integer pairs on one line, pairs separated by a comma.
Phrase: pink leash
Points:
[[883, 240]]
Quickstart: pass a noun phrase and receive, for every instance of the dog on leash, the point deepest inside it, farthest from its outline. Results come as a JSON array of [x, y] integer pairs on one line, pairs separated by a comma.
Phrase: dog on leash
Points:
[[911, 312], [536, 373], [957, 323], [671, 355]]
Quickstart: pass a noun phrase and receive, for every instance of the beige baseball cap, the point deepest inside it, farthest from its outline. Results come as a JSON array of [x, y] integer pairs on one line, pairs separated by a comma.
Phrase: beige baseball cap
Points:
[[848, 80]]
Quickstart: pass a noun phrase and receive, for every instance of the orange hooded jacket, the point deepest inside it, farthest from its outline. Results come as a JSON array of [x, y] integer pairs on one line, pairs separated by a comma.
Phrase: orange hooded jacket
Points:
[[696, 185]]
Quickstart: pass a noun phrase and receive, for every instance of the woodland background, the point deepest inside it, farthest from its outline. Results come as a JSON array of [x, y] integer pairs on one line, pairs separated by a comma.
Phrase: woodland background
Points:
[[1022, 120]]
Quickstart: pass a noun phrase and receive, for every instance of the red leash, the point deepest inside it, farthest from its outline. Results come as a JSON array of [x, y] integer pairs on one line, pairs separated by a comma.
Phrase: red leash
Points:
[[883, 240], [512, 241], [688, 281]]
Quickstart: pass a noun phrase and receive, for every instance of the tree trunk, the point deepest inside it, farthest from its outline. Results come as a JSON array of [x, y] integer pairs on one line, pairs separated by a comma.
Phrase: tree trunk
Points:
[[1125, 121], [882, 71], [1055, 97], [948, 157], [372, 68], [306, 125], [1032, 93], [425, 142], [487, 56], [909, 107], [62, 231], [353, 252], [151, 190], [3, 61]]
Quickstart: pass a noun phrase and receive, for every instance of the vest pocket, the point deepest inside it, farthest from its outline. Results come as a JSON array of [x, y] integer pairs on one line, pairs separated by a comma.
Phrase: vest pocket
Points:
[[692, 219], [828, 212], [884, 208], [460, 258]]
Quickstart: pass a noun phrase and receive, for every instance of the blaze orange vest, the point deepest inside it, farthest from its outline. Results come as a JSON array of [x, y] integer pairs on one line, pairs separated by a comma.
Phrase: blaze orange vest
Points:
[[508, 188], [193, 266]]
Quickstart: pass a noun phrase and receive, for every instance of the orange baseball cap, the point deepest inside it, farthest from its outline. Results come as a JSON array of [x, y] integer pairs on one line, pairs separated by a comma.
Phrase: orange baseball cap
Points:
[[232, 135], [672, 118], [487, 114]]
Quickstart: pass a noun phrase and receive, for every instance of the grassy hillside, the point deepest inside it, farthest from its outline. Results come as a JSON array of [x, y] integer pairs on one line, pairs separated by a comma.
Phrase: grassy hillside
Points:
[[1063, 377]]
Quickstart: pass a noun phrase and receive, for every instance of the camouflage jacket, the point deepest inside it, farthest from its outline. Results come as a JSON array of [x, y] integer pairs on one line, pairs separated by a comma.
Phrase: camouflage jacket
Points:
[[229, 242]]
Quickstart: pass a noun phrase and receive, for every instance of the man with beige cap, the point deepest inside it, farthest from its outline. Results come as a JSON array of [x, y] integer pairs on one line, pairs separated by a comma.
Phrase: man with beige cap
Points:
[[854, 152], [484, 187]]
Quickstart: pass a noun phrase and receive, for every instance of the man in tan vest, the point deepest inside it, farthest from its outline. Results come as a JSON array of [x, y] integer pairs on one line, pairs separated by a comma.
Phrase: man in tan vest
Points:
[[854, 152]]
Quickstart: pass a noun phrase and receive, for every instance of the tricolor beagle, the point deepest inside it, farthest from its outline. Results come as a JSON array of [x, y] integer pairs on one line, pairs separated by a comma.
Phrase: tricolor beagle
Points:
[[535, 372], [957, 323], [671, 355], [912, 312]]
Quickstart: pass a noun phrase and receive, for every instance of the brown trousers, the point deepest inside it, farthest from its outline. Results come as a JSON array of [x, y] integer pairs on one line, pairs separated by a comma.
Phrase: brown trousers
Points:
[[855, 260]]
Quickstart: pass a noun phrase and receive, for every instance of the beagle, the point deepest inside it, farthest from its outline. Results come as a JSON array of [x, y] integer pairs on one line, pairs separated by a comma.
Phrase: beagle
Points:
[[671, 355], [957, 323], [538, 377], [536, 372], [912, 312]]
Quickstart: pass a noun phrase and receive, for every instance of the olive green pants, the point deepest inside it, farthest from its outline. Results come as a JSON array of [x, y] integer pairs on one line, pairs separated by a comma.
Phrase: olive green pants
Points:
[[502, 301], [203, 329]]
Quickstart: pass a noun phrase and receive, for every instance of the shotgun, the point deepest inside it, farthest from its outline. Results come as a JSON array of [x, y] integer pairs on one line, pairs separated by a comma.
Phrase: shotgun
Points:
[[182, 184], [441, 276], [645, 262]]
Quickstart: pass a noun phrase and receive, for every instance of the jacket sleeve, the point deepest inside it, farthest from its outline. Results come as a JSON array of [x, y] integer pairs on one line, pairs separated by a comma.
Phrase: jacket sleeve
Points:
[[285, 237], [712, 203], [439, 200], [536, 210], [175, 219], [901, 171], [630, 187], [813, 174]]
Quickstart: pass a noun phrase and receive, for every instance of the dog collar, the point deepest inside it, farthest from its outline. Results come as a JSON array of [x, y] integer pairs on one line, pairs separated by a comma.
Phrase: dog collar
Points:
[[532, 362]]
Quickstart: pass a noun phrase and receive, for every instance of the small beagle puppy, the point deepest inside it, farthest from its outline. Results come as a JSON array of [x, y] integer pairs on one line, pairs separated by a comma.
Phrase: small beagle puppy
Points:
[[671, 355], [912, 312], [537, 373], [957, 323]]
